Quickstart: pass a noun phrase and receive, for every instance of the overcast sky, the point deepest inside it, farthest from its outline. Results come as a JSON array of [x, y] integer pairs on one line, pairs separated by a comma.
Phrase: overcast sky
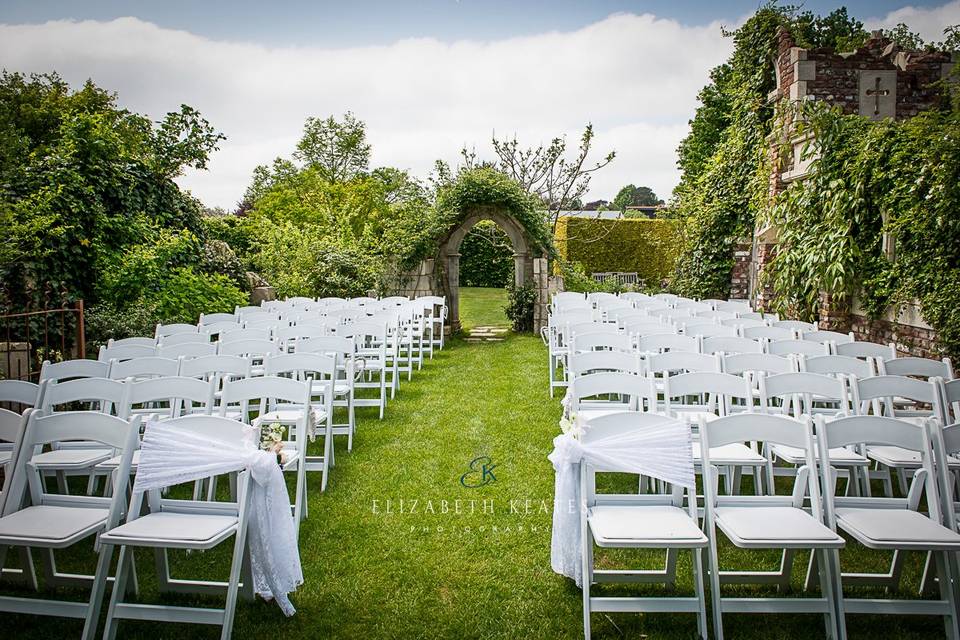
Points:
[[427, 77]]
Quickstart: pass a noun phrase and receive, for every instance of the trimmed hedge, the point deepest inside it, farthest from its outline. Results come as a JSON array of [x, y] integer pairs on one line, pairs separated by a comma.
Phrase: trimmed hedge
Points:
[[648, 246], [486, 257]]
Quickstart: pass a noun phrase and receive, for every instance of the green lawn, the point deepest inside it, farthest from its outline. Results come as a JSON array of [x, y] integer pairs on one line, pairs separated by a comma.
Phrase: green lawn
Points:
[[482, 306], [375, 569]]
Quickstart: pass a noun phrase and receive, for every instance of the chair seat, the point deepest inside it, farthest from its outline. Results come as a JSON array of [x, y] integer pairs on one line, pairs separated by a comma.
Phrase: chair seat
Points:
[[839, 456], [51, 526], [896, 529], [114, 462], [173, 530], [644, 526], [71, 458], [734, 453], [774, 527], [898, 457], [586, 415]]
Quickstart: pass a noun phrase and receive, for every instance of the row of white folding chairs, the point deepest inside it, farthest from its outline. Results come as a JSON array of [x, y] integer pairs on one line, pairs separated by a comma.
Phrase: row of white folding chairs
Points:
[[34, 519], [808, 517], [603, 301]]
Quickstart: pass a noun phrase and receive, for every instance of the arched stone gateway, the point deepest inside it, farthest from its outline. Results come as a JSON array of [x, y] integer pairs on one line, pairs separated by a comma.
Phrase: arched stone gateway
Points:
[[440, 275]]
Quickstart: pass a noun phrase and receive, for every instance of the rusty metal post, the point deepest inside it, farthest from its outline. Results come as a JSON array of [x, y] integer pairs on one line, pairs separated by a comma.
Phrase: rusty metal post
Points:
[[81, 337]]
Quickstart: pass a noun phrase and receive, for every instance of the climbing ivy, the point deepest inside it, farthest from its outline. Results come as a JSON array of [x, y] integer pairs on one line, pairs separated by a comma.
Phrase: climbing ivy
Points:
[[868, 181], [487, 188]]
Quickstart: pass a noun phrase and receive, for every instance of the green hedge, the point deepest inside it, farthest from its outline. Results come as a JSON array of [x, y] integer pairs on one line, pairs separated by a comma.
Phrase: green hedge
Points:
[[486, 257], [648, 246]]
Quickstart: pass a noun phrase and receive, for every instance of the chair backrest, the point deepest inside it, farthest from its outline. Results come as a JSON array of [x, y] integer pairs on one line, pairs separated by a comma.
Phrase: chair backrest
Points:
[[256, 396], [246, 333], [339, 345], [767, 333], [301, 366], [715, 315], [250, 347], [140, 368], [184, 338], [824, 336], [673, 362], [743, 323], [71, 369], [138, 341], [801, 392], [214, 318], [758, 315], [880, 395], [730, 344], [710, 331], [591, 327], [165, 330], [102, 394], [797, 347], [601, 340], [658, 343], [950, 396], [189, 350], [19, 392], [590, 362], [918, 367], [221, 328], [837, 365], [672, 314], [41, 430], [630, 392], [181, 394], [647, 327], [716, 389], [733, 306], [858, 349], [215, 367], [755, 363], [796, 325], [125, 352], [571, 316], [623, 314]]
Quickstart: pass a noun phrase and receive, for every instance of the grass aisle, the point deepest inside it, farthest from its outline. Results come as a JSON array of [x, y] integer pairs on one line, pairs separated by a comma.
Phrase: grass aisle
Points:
[[452, 561]]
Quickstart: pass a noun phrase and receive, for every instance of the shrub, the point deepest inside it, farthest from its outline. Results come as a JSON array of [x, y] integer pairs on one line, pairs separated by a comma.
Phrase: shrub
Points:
[[185, 294], [648, 247], [105, 321], [520, 304], [486, 257], [218, 257]]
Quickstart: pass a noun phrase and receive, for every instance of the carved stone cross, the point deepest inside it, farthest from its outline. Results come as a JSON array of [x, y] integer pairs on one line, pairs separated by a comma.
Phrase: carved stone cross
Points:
[[876, 93]]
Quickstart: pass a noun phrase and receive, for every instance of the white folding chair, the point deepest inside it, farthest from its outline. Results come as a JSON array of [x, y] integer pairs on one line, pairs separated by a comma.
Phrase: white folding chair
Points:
[[49, 522], [631, 521], [767, 521], [590, 362], [191, 525], [321, 370], [832, 338], [660, 342], [192, 337], [767, 333], [344, 351], [797, 348], [890, 524], [215, 318], [370, 341], [704, 396], [604, 393], [917, 368], [730, 345], [137, 341], [863, 350], [601, 341], [259, 401], [798, 326], [166, 330]]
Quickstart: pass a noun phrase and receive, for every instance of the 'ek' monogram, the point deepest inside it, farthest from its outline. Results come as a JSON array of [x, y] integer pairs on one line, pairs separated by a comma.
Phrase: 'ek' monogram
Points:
[[480, 473]]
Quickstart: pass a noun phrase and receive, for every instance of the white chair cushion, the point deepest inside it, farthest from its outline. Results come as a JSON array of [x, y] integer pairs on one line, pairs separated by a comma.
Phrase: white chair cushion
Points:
[[643, 523], [840, 456], [114, 462], [900, 457], [893, 528], [71, 458], [55, 526], [773, 526], [172, 527], [734, 453]]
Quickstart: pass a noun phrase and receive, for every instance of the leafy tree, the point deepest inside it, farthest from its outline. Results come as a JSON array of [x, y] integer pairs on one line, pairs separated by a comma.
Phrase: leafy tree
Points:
[[836, 30], [337, 150], [631, 196]]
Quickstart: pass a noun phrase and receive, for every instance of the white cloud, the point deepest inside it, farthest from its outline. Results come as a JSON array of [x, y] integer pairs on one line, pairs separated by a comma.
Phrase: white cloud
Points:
[[634, 76], [929, 22]]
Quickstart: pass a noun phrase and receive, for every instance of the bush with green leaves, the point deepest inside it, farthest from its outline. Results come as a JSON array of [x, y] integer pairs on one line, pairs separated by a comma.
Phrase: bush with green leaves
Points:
[[521, 302], [184, 294], [105, 321], [486, 256]]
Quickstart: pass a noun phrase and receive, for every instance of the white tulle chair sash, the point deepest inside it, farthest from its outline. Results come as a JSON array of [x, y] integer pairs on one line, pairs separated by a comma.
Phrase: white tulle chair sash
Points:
[[172, 454], [662, 451]]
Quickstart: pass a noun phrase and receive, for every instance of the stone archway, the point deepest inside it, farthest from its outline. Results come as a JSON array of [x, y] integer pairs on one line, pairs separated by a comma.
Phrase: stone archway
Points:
[[440, 275]]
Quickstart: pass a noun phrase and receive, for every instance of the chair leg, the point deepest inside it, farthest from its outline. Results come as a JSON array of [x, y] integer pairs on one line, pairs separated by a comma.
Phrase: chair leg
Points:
[[587, 579], [96, 593], [119, 591], [713, 567], [831, 620], [948, 591], [239, 548], [701, 590]]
